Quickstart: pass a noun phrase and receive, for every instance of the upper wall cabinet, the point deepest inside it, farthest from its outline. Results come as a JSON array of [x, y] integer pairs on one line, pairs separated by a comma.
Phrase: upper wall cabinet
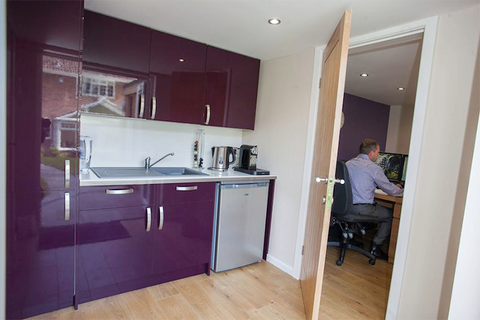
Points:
[[133, 71], [177, 70], [231, 88], [116, 58]]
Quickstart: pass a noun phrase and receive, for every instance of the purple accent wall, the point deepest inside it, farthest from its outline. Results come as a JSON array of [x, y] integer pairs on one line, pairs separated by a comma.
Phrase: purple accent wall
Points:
[[363, 119]]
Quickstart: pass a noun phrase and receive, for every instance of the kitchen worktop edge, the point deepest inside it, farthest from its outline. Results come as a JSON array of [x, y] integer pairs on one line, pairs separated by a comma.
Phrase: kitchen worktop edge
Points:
[[91, 180]]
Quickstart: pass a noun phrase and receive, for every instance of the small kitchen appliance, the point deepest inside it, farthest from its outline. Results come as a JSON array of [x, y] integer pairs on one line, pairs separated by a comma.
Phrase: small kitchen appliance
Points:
[[221, 158], [248, 161]]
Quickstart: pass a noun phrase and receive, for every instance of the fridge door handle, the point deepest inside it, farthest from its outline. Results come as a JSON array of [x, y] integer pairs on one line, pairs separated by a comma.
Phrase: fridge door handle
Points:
[[67, 174], [67, 206]]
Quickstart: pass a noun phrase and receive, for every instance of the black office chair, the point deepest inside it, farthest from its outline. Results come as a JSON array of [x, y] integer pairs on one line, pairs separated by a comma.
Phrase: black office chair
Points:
[[342, 205]]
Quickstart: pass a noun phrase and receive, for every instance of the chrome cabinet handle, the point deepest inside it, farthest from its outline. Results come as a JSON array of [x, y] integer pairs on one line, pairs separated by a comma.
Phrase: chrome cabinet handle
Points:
[[161, 217], [67, 174], [149, 219], [154, 107], [142, 105], [124, 191], [187, 188], [208, 114], [67, 206]]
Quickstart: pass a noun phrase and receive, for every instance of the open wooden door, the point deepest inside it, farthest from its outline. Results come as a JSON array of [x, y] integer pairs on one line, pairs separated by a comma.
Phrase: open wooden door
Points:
[[334, 66]]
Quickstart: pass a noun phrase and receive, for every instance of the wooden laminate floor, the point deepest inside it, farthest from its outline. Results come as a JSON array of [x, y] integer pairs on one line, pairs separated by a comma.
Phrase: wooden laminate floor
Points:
[[261, 291]]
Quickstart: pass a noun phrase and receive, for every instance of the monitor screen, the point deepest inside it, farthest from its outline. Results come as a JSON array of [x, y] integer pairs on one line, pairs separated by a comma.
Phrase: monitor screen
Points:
[[393, 165]]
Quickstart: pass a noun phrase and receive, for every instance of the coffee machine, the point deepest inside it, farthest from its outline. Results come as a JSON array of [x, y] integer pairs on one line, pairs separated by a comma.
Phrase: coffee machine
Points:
[[248, 161]]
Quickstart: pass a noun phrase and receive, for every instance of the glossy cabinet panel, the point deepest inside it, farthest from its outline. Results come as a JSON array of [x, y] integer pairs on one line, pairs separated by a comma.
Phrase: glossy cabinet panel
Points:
[[183, 236], [116, 43], [231, 88], [43, 59], [40, 253], [115, 67], [50, 23], [42, 112], [185, 192], [115, 250], [177, 69], [115, 197]]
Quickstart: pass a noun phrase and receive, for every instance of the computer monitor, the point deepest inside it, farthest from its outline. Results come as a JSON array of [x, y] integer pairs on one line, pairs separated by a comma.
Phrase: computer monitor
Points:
[[394, 165]]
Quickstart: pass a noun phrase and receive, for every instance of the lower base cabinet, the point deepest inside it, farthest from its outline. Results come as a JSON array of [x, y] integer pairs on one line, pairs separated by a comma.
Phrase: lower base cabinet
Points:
[[130, 237], [184, 238]]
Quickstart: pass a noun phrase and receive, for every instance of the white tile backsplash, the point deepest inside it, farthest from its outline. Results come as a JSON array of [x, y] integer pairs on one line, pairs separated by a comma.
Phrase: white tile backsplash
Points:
[[120, 142]]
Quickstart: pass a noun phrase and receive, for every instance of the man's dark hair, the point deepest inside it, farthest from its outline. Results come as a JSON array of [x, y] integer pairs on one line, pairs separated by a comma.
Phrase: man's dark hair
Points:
[[368, 145]]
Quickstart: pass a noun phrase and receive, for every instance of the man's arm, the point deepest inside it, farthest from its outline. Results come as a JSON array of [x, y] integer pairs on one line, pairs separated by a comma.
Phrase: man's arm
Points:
[[382, 182]]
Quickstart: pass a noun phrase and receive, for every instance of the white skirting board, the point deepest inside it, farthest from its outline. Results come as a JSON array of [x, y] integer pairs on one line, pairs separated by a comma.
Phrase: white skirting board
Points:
[[280, 265]]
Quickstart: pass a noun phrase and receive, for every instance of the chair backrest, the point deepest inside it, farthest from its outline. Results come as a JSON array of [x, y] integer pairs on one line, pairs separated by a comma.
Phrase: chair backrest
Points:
[[342, 193]]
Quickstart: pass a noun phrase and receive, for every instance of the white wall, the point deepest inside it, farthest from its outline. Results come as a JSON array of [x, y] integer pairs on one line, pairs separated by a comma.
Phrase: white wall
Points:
[[3, 152], [281, 128], [438, 207], [119, 142], [399, 129], [466, 285]]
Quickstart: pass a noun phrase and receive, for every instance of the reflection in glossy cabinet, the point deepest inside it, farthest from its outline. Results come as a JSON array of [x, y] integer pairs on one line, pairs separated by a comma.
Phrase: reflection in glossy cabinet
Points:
[[177, 68], [183, 236], [116, 58], [115, 251], [231, 88], [43, 56], [40, 253]]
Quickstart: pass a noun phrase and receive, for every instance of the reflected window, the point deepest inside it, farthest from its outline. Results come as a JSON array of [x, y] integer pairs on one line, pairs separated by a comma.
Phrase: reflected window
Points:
[[95, 87], [65, 133]]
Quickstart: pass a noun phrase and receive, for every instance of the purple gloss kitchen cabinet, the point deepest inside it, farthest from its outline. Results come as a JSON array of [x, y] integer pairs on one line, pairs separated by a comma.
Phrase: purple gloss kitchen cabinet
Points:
[[43, 58], [177, 73], [183, 227], [231, 88], [115, 70], [115, 238]]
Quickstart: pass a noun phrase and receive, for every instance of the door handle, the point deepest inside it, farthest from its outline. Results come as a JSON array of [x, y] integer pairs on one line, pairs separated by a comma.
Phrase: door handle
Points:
[[149, 219], [187, 188], [154, 107], [161, 218], [326, 180], [142, 105], [208, 114], [67, 206], [67, 174]]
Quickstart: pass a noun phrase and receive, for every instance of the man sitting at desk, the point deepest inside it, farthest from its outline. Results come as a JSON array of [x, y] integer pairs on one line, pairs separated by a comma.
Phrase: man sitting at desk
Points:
[[365, 175]]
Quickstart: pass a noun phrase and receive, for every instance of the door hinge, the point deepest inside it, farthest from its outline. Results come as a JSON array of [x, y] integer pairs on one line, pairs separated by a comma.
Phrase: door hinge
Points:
[[303, 250], [320, 83]]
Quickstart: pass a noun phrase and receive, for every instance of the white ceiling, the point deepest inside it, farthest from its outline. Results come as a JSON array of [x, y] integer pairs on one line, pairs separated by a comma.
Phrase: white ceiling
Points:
[[389, 66], [241, 25]]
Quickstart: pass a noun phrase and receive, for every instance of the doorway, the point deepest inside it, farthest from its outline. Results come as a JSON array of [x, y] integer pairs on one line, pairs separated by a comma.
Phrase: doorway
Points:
[[379, 102]]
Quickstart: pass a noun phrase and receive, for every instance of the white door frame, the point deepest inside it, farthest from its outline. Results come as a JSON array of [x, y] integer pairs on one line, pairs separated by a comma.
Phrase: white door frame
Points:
[[429, 28]]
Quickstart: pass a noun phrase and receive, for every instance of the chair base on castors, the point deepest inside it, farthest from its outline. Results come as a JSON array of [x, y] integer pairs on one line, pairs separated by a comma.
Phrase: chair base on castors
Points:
[[343, 248]]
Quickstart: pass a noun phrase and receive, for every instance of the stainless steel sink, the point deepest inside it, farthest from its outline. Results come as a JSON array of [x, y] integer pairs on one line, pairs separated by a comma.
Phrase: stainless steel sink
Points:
[[106, 172], [178, 171]]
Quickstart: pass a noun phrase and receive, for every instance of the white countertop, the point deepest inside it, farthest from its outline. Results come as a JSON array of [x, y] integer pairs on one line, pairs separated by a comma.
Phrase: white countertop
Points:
[[90, 179]]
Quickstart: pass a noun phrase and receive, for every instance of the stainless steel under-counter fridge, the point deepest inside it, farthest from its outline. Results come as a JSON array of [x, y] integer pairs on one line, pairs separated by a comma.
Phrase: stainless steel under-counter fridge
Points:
[[239, 224]]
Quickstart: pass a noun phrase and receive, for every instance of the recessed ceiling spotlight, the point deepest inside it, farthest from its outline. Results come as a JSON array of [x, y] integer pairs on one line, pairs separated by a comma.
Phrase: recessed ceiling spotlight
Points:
[[400, 88], [274, 21], [181, 60], [363, 74]]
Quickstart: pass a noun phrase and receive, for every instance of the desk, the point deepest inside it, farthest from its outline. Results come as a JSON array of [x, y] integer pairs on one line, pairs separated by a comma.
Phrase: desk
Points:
[[396, 204]]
